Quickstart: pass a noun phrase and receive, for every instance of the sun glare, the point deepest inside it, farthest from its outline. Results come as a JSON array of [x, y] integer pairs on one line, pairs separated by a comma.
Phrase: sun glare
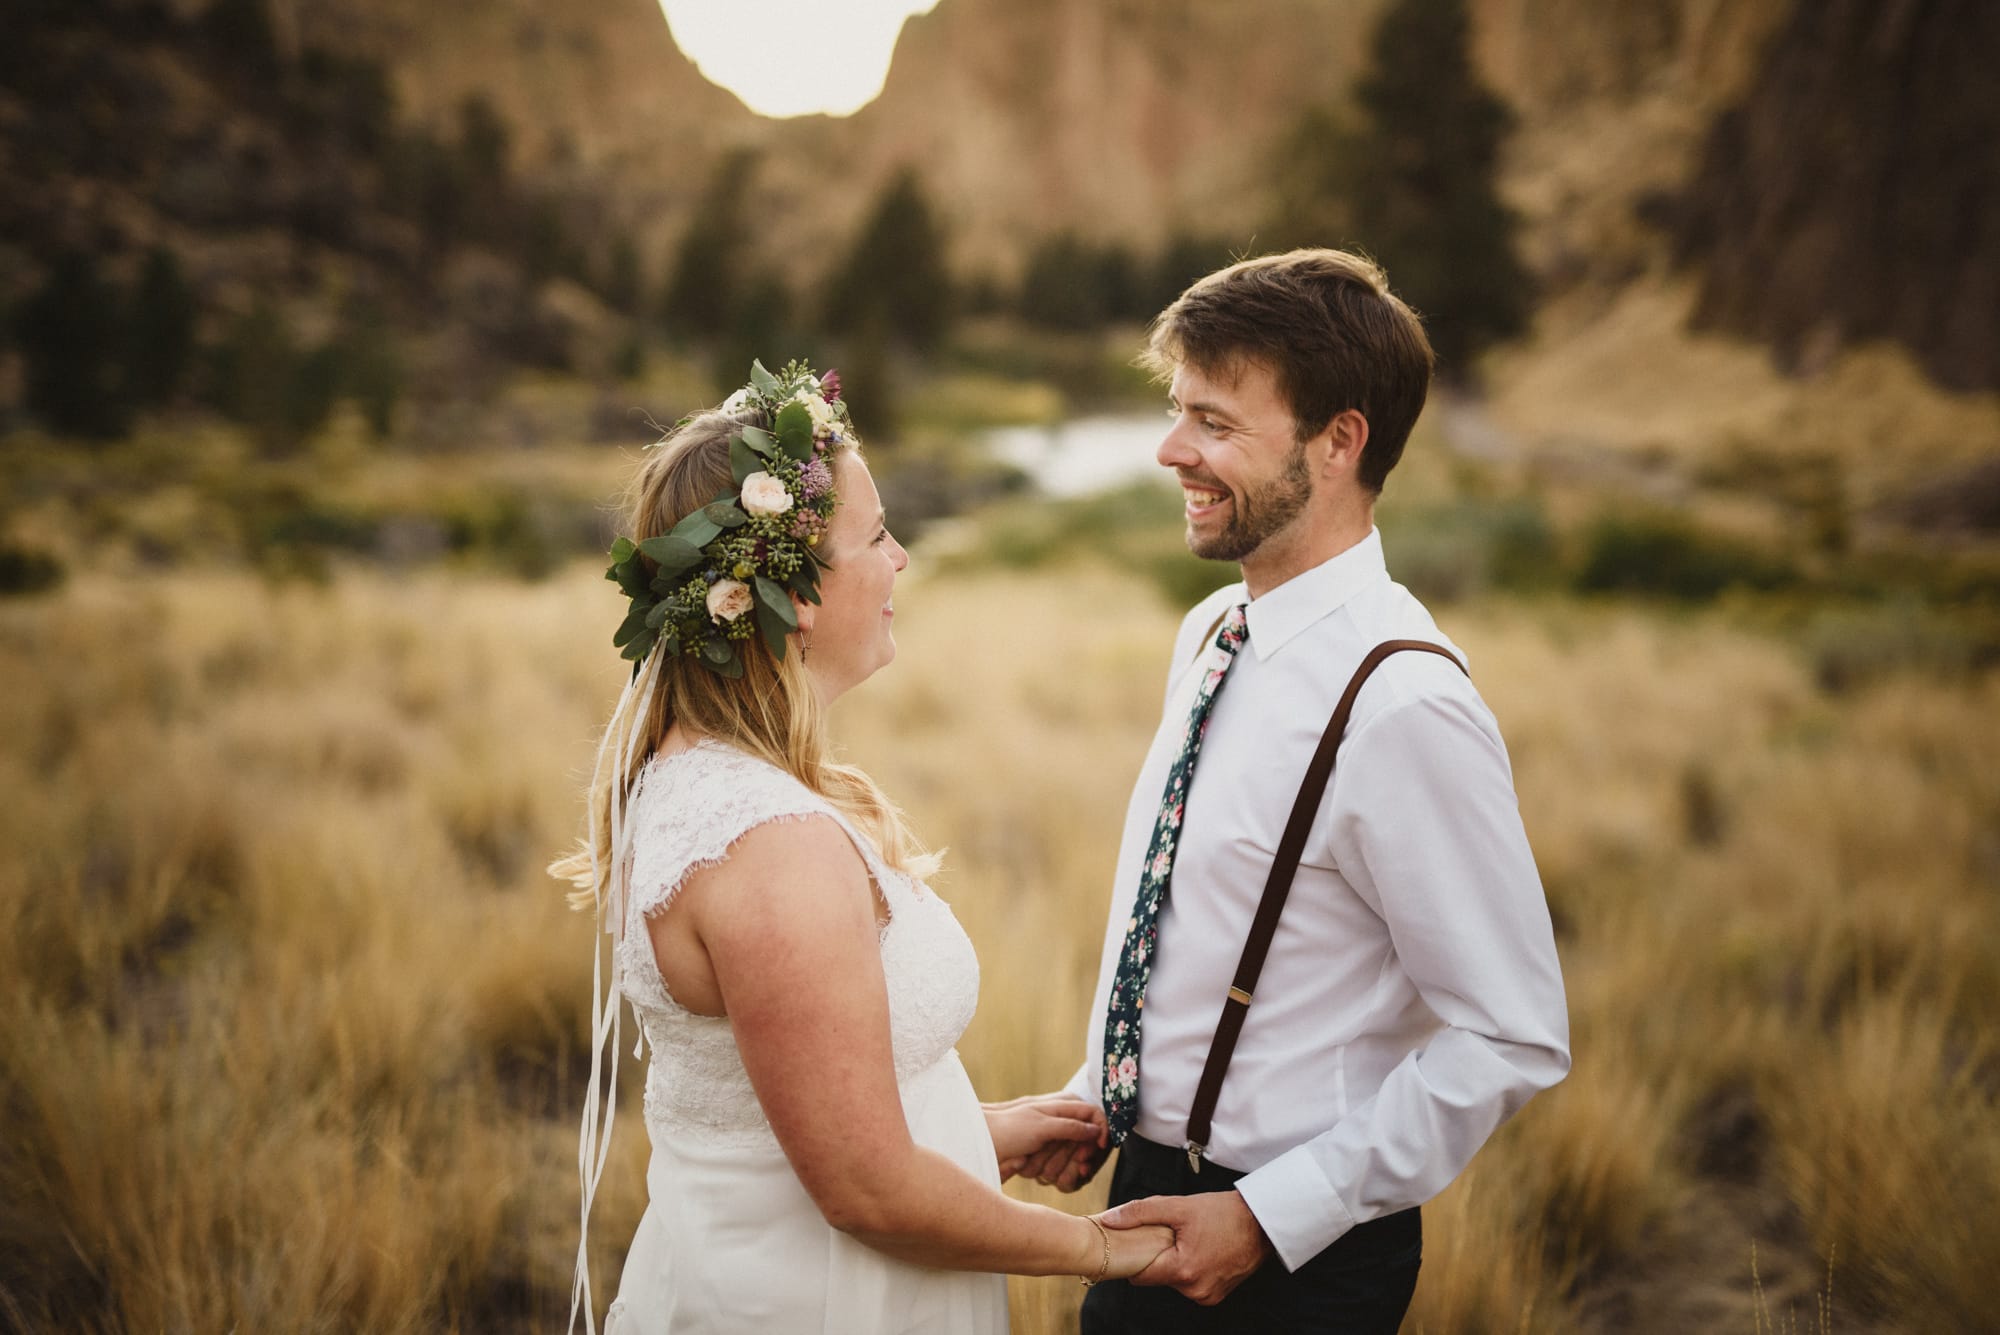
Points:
[[793, 57]]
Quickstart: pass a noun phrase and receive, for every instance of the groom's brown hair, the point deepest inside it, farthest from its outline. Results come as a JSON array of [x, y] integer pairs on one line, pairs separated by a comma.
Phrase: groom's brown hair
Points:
[[1330, 330]]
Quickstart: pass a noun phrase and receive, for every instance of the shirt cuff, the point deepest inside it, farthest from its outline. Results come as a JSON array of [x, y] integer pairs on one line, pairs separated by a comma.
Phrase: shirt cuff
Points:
[[1296, 1206], [1081, 1087]]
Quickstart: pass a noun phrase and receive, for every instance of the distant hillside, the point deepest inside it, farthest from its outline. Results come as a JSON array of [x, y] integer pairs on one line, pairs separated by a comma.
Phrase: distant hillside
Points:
[[312, 224], [1116, 118], [1854, 192], [1641, 128]]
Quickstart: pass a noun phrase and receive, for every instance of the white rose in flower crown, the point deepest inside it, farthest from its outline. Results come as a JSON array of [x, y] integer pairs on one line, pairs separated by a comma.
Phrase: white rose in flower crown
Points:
[[821, 411], [765, 495], [728, 599]]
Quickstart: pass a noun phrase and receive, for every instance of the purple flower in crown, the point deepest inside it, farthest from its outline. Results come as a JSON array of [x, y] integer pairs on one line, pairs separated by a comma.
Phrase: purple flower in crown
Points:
[[816, 481], [829, 386]]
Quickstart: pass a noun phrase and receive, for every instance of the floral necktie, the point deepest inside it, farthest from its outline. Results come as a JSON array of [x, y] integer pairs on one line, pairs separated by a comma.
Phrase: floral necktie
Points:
[[1135, 961]]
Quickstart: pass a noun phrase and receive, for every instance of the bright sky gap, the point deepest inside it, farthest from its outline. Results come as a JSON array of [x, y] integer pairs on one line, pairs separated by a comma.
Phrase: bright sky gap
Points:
[[793, 57]]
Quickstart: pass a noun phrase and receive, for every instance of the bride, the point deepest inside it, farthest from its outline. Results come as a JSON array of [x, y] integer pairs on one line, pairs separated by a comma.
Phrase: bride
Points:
[[820, 1161]]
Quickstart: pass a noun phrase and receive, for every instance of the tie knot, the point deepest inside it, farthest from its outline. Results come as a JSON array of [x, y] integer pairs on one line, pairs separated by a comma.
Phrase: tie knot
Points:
[[1235, 630]]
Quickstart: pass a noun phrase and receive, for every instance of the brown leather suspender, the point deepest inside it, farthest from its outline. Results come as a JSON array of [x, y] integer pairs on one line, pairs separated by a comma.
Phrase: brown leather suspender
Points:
[[1277, 886]]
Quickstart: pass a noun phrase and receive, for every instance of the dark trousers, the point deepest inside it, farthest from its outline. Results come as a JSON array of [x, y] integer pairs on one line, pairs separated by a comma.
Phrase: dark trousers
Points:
[[1361, 1285]]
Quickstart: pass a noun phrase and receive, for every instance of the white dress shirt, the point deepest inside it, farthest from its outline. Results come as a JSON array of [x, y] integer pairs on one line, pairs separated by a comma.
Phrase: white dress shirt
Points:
[[1412, 1000]]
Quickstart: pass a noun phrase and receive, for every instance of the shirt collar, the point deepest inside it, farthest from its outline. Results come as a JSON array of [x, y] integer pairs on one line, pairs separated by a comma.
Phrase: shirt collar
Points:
[[1282, 613]]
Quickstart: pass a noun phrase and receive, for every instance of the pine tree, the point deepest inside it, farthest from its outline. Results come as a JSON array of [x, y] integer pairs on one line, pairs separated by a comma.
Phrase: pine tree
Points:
[[625, 276], [243, 33], [159, 342], [1410, 178], [759, 329], [371, 366], [484, 161], [71, 332], [894, 278], [709, 277]]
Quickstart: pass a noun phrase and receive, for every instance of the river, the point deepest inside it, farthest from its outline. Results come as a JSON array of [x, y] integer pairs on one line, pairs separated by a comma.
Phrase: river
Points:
[[1084, 454]]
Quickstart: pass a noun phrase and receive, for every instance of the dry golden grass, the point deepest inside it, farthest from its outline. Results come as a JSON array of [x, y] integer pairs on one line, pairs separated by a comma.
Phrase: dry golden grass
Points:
[[291, 1033]]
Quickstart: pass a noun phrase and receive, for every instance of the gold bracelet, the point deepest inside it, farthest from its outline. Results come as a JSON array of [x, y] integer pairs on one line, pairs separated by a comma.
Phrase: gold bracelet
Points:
[[1105, 1268]]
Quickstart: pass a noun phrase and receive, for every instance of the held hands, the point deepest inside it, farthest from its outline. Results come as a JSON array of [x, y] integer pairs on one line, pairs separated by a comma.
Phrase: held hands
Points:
[[1217, 1242], [1132, 1249], [1065, 1164], [1041, 1126]]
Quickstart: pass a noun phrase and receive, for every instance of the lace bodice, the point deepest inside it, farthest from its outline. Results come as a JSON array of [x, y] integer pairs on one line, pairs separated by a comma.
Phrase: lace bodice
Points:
[[687, 810]]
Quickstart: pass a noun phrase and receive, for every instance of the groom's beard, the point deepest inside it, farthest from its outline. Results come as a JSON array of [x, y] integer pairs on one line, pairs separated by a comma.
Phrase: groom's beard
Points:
[[1259, 512]]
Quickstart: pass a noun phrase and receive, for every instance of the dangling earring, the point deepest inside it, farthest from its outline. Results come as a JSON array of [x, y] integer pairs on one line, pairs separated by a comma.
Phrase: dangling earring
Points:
[[805, 645]]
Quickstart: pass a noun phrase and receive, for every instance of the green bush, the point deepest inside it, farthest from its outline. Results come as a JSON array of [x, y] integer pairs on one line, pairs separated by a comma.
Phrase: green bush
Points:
[[1851, 646], [1447, 553], [1664, 555], [25, 570]]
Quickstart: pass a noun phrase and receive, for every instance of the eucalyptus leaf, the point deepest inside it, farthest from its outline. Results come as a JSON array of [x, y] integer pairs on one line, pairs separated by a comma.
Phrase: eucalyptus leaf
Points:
[[631, 578], [725, 513], [658, 616], [696, 529], [794, 430], [717, 651], [640, 647], [763, 381], [771, 596], [743, 461], [673, 550], [759, 440], [621, 551], [633, 624], [804, 584], [772, 628]]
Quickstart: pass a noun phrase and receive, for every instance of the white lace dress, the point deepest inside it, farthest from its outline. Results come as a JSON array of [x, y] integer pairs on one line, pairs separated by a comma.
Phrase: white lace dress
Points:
[[730, 1242]]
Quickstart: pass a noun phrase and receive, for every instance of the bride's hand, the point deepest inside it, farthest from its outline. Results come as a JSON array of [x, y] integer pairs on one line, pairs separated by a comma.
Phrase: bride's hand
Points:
[[1133, 1249], [1021, 1127]]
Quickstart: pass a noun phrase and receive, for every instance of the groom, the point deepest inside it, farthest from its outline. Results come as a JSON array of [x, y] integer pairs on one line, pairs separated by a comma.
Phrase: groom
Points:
[[1410, 1001]]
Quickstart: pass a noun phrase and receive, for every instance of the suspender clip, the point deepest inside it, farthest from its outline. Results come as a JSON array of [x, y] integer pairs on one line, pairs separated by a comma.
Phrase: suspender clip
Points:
[[1195, 1149]]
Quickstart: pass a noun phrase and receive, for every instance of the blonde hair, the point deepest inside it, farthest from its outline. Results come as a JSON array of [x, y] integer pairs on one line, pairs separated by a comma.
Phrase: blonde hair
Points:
[[771, 711]]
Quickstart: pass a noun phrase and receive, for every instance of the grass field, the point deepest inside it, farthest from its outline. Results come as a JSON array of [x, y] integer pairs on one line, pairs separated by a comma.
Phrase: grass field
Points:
[[291, 1032]]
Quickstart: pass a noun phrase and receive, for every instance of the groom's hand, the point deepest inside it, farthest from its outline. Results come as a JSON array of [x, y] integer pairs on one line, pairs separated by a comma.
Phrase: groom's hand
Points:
[[1036, 1128], [1217, 1242], [1064, 1164], [1065, 1167]]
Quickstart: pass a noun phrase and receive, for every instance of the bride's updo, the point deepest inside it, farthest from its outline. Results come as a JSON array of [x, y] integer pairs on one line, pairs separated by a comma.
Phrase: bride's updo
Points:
[[771, 711]]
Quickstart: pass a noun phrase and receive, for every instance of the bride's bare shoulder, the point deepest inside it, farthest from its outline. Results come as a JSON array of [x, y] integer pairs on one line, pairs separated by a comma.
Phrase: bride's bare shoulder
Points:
[[795, 866]]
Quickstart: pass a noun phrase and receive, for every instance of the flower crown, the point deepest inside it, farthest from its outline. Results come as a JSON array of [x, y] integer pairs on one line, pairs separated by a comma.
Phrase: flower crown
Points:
[[729, 569]]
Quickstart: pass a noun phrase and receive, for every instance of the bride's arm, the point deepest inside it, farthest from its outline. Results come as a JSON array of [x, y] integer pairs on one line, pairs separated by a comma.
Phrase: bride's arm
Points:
[[788, 924]]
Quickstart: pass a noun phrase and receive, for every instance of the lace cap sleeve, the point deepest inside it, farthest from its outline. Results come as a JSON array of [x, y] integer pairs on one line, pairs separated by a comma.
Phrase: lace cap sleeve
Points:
[[693, 805]]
